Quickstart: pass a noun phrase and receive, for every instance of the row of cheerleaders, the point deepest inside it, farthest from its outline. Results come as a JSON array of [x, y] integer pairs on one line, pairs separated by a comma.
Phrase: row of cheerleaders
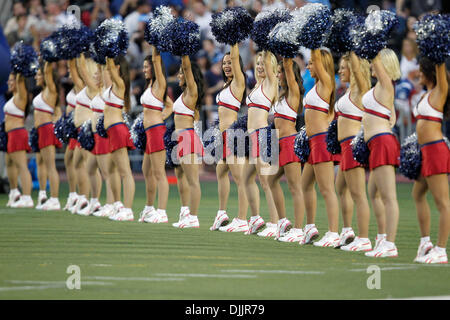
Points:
[[355, 131]]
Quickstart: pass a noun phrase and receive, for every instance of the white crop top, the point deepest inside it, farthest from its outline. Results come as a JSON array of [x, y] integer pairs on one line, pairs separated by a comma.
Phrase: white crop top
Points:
[[258, 99], [149, 101], [226, 98], [180, 108], [11, 109], [40, 105], [283, 110], [313, 101], [345, 107], [111, 100], [373, 107], [83, 99], [425, 111], [71, 98], [97, 104]]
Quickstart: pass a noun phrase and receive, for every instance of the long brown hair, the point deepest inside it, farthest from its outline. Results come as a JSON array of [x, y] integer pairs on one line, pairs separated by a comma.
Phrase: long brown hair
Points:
[[124, 72], [298, 79], [328, 64], [153, 79]]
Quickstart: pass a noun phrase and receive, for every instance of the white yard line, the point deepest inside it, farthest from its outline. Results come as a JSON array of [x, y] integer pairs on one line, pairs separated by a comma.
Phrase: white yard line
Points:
[[273, 271], [387, 268], [130, 278], [206, 275], [43, 285]]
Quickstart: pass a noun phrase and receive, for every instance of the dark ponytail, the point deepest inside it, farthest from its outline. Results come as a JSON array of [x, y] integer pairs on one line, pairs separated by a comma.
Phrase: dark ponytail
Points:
[[153, 79], [124, 71], [200, 81]]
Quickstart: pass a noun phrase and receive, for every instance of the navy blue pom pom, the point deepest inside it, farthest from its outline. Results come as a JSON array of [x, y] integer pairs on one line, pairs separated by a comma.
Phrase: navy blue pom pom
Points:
[[170, 144], [264, 22], [237, 137], [232, 25], [301, 145], [49, 48], [212, 142], [371, 36], [433, 37], [313, 21], [24, 59], [338, 39], [60, 128], [3, 138], [70, 131], [33, 140], [410, 158], [360, 149], [154, 28], [283, 39], [111, 38], [86, 137], [101, 127], [333, 145], [137, 133], [181, 37]]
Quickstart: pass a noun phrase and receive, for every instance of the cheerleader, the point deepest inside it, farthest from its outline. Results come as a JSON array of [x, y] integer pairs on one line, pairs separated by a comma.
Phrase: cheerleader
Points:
[[68, 155], [189, 148], [259, 102], [44, 109], [435, 156], [378, 121], [154, 101], [351, 176], [117, 100], [229, 102], [320, 166], [286, 109], [15, 111]]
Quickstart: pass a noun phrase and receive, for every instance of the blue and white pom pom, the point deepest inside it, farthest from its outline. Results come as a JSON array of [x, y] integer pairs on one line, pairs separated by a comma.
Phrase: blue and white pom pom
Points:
[[33, 140], [212, 142], [372, 36], [333, 145], [410, 158], [237, 137], [49, 48], [338, 40], [360, 149], [95, 55], [68, 39], [85, 136], [60, 127], [101, 127], [155, 26], [283, 40], [111, 38], [181, 37], [433, 37], [313, 21], [232, 25], [301, 145], [170, 144], [70, 131], [264, 22], [137, 133], [3, 138], [24, 60]]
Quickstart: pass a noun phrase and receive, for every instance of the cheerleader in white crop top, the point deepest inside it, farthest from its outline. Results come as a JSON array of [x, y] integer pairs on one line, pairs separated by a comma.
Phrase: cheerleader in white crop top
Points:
[[312, 100]]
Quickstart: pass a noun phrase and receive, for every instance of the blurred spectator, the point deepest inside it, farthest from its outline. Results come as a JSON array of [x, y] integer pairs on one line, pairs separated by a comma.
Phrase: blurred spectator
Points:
[[21, 26], [410, 33], [416, 8], [141, 13], [213, 53], [126, 7], [408, 60], [202, 17], [100, 12], [273, 4], [214, 83]]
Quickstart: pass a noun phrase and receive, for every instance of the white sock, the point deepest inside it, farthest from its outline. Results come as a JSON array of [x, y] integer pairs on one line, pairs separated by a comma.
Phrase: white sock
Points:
[[161, 211], [440, 250], [94, 200], [72, 195], [149, 207], [309, 226], [253, 218], [424, 240], [14, 190], [184, 208], [389, 244], [42, 193], [54, 199], [26, 197], [333, 233], [219, 212], [346, 229], [381, 235]]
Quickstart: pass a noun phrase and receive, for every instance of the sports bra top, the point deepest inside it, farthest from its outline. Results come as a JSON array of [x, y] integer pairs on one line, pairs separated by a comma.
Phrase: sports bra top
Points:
[[313, 101], [373, 107], [345, 107], [111, 100], [71, 98], [283, 110], [149, 101], [425, 111], [83, 99], [179, 108], [97, 104], [257, 99], [40, 105], [11, 109], [226, 98]]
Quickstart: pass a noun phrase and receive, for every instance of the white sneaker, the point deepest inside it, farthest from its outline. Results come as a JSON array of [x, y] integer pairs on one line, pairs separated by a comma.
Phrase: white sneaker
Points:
[[158, 217], [434, 256], [383, 250], [254, 224], [358, 244], [423, 250], [293, 235], [14, 195], [310, 234], [124, 214], [269, 231], [42, 198], [82, 206], [330, 239], [51, 204], [117, 206], [148, 210], [347, 237], [190, 221], [104, 211], [94, 206], [283, 226], [184, 213], [71, 201], [379, 240], [237, 225], [221, 220], [23, 202]]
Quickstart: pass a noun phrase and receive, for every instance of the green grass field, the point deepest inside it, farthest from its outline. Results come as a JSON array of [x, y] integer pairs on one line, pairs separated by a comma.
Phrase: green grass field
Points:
[[131, 260]]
